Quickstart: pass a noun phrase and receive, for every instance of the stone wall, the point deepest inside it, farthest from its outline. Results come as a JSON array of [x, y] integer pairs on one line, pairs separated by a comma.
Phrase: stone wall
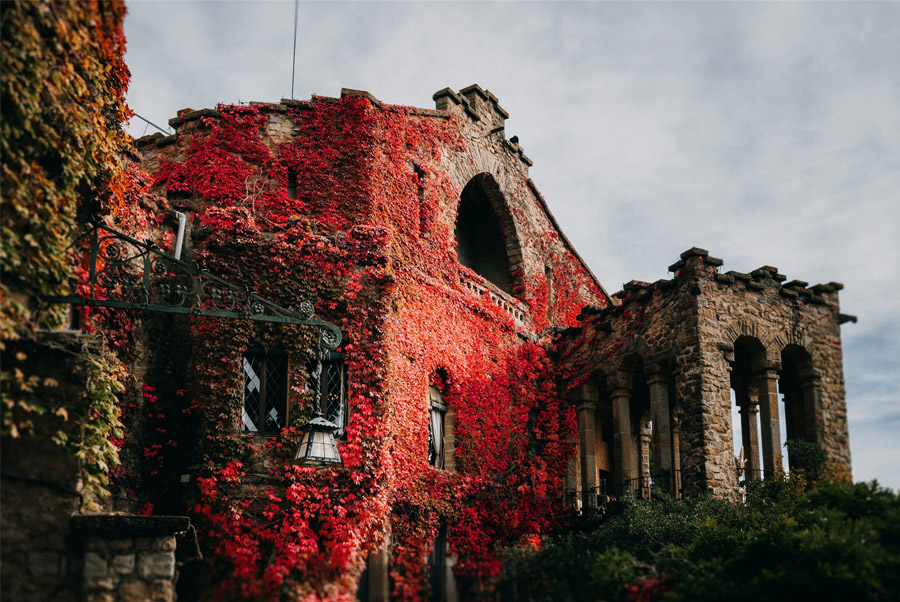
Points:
[[128, 558], [40, 486], [696, 337]]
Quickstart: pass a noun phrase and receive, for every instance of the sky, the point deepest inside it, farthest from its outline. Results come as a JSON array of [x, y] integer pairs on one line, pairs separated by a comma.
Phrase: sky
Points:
[[767, 133]]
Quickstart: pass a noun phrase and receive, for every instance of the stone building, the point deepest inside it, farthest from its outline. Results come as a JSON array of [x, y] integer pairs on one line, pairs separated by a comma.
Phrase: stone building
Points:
[[480, 383], [668, 361]]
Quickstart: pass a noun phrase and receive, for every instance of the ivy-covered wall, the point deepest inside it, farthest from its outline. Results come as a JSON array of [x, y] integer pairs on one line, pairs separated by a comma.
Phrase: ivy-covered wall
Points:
[[63, 102], [351, 204]]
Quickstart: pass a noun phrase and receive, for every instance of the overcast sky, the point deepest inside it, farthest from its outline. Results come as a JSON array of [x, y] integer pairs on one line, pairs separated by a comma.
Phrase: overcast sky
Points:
[[767, 133]]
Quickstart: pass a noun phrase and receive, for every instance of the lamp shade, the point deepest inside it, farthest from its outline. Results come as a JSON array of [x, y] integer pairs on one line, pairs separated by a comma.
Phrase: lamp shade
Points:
[[318, 447]]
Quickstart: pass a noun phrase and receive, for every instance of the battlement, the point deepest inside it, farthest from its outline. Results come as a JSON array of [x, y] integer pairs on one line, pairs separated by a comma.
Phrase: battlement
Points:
[[479, 106]]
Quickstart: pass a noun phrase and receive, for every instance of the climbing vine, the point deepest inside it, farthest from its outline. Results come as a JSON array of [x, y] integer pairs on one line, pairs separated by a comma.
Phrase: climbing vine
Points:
[[354, 211], [63, 89]]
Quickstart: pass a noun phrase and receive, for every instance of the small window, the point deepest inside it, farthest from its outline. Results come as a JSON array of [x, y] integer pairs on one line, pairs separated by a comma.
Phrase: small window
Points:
[[292, 184], [265, 391], [331, 397], [420, 194], [437, 412]]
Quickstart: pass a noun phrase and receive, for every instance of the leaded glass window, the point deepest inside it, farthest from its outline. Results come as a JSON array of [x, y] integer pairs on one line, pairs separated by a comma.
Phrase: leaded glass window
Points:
[[265, 391], [327, 379]]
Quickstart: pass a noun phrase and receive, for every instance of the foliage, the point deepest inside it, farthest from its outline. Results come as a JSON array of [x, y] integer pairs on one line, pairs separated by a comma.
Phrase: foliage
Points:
[[366, 235], [84, 418], [834, 541], [63, 87], [97, 427]]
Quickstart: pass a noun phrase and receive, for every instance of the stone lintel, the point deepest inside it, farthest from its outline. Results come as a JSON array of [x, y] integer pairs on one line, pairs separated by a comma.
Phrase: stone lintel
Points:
[[115, 526]]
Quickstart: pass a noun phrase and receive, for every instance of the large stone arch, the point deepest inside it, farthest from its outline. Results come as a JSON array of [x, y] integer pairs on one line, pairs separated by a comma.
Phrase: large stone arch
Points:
[[498, 260]]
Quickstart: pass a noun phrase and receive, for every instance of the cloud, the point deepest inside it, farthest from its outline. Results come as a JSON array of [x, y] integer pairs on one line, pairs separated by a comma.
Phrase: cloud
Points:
[[766, 133]]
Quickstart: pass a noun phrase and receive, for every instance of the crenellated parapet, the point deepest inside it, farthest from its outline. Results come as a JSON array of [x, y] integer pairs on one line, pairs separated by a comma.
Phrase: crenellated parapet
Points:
[[771, 343]]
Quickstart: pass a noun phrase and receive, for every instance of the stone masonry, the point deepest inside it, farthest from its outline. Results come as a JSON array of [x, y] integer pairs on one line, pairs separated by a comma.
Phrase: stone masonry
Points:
[[128, 558], [668, 357]]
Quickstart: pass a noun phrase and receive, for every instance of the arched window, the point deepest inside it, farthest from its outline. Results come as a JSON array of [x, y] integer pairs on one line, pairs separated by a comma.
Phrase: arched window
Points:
[[265, 391], [480, 242], [437, 411]]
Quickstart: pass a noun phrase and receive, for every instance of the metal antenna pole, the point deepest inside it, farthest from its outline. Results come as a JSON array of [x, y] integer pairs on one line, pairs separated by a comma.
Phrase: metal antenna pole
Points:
[[294, 57]]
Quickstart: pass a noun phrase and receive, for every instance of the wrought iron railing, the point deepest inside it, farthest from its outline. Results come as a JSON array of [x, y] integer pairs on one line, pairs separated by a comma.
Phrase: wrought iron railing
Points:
[[668, 481], [125, 273]]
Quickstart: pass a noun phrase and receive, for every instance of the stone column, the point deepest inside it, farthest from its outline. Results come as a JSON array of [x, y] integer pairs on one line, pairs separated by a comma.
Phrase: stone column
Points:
[[813, 419], [676, 455], [571, 484], [645, 456], [662, 435], [748, 403], [623, 438], [585, 408], [767, 385]]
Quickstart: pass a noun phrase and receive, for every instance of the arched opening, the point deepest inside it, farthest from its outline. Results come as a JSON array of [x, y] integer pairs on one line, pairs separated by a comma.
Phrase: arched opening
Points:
[[749, 355], [798, 386], [633, 418], [481, 239]]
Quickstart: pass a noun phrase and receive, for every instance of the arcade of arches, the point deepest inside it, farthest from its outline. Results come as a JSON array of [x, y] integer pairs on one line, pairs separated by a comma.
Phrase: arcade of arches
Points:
[[661, 371]]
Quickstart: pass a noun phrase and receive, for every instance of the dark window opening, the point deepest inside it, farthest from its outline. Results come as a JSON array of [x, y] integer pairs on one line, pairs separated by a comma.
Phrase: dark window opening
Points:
[[479, 239], [420, 194], [329, 382], [437, 411], [265, 391], [292, 184], [606, 431], [443, 586]]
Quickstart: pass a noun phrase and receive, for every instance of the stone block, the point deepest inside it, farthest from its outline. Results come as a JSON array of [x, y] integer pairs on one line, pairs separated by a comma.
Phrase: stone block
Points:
[[95, 566], [156, 564], [104, 583], [155, 543], [120, 544], [99, 597], [146, 591], [123, 564]]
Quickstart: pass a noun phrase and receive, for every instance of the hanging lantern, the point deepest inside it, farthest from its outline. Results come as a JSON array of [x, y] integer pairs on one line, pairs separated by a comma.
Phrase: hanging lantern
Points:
[[318, 447]]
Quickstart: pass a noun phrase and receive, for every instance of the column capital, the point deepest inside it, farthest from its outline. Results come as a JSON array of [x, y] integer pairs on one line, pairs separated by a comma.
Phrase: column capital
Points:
[[657, 377], [750, 408], [808, 377], [768, 372], [620, 392], [585, 404]]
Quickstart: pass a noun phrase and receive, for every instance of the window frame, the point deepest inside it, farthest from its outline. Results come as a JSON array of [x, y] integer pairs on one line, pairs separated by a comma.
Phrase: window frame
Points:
[[268, 358], [437, 415], [333, 360]]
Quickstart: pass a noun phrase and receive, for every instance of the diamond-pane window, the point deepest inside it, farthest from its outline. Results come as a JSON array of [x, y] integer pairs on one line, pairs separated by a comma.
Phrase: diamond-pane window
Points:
[[332, 396], [265, 391]]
